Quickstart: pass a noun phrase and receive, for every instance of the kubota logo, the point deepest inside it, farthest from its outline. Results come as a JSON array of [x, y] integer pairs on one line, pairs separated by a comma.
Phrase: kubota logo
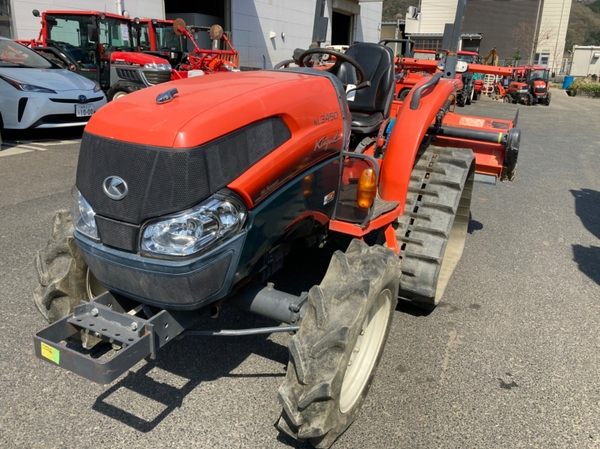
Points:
[[115, 188]]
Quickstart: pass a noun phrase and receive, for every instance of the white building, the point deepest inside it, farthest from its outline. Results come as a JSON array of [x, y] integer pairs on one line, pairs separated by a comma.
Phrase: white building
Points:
[[263, 31], [497, 21], [586, 61]]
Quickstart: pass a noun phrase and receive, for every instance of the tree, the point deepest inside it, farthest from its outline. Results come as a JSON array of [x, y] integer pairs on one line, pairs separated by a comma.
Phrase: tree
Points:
[[396, 9], [529, 40]]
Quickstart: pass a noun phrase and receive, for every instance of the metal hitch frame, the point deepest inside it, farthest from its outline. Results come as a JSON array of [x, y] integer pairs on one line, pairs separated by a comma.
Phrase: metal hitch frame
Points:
[[113, 319], [106, 319]]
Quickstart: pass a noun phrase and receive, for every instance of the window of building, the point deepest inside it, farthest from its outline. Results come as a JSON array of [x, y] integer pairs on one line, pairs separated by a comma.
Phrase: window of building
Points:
[[6, 20], [427, 43], [542, 59]]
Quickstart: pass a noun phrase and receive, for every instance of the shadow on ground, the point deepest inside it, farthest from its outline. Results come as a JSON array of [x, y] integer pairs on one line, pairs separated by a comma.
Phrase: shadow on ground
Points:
[[587, 208]]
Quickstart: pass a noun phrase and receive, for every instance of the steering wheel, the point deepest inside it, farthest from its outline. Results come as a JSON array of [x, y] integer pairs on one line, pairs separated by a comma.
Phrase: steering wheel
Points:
[[340, 58]]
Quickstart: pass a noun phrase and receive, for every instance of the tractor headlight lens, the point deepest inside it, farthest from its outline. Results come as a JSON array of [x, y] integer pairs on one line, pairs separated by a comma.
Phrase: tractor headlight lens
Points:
[[197, 229], [84, 220], [155, 66]]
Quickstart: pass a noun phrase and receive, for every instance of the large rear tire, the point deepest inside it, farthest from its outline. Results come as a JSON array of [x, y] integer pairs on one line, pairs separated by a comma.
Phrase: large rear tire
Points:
[[341, 338], [64, 278], [433, 229]]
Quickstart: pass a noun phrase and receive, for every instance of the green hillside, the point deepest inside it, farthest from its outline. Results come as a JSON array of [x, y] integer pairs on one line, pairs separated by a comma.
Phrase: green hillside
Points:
[[391, 8], [584, 24]]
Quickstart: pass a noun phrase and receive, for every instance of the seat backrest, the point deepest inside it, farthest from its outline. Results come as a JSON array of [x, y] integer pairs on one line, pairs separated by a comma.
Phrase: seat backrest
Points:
[[377, 61]]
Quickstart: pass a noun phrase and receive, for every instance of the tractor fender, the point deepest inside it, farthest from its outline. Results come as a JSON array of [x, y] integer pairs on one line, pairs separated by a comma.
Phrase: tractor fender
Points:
[[408, 133]]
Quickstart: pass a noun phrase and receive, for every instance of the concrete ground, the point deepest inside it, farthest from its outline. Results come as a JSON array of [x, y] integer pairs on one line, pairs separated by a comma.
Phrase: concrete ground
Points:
[[509, 359]]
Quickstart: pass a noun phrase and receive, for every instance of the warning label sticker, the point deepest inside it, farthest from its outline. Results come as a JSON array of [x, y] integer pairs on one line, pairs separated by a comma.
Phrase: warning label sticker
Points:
[[51, 353]]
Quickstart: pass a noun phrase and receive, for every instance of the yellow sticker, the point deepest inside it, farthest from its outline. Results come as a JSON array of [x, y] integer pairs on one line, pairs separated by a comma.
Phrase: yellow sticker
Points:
[[50, 353]]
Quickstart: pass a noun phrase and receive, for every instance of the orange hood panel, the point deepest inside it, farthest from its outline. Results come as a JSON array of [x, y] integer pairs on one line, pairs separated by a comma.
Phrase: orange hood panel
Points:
[[207, 107]]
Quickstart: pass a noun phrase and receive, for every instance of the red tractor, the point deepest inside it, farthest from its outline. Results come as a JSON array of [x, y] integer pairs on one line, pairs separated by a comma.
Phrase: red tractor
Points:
[[99, 46], [157, 37], [530, 86], [199, 204], [203, 61], [409, 71]]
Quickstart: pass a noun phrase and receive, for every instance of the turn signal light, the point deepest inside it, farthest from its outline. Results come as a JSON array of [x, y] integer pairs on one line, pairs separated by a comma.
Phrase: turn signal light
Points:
[[308, 185], [367, 188]]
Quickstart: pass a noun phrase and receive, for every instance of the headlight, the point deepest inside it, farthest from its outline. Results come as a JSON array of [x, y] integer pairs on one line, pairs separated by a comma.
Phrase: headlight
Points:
[[83, 215], [155, 66], [198, 229], [20, 85], [97, 87]]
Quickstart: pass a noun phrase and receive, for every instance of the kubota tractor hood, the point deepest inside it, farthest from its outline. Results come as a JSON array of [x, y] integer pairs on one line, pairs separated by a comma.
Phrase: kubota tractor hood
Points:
[[210, 106], [249, 131]]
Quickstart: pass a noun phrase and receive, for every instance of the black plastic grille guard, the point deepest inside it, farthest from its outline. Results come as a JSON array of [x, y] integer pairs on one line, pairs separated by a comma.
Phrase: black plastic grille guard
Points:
[[163, 180]]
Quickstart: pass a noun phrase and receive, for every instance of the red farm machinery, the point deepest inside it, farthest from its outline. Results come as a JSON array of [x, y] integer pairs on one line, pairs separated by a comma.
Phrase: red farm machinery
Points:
[[168, 39], [197, 206], [101, 47]]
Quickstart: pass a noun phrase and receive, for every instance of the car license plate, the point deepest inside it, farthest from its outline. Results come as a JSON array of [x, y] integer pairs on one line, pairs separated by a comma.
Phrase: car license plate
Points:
[[84, 110]]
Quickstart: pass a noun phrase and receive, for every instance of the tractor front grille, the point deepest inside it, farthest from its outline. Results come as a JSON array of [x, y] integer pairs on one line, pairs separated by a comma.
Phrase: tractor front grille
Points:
[[157, 76], [117, 234], [130, 74], [165, 180]]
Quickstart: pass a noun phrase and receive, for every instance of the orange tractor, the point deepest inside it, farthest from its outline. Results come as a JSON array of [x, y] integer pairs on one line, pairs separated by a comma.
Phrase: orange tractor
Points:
[[530, 86], [196, 206]]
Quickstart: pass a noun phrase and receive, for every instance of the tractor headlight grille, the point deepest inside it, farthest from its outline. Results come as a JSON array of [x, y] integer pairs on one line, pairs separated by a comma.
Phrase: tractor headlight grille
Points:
[[157, 76], [195, 230]]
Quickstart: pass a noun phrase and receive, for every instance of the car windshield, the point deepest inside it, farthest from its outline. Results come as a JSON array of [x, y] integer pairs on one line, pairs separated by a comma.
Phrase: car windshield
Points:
[[13, 54], [466, 58], [167, 39]]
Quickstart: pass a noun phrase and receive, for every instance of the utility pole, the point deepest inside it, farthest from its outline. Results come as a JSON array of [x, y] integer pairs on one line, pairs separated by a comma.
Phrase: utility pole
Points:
[[535, 33]]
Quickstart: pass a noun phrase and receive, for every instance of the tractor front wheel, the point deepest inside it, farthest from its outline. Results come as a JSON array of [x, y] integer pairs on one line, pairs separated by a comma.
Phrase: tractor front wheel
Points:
[[64, 278], [547, 100], [122, 88], [341, 338]]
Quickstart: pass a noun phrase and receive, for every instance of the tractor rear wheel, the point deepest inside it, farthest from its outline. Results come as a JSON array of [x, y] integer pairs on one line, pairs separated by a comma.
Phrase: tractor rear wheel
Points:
[[433, 229], [64, 278], [341, 338], [402, 95]]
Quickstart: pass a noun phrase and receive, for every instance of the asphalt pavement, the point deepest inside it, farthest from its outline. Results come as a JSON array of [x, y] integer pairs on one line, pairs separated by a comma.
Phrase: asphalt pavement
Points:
[[509, 359]]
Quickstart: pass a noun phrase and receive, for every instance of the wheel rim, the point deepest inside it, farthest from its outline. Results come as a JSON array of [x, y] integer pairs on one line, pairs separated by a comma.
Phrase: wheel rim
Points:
[[93, 286], [119, 95], [365, 352]]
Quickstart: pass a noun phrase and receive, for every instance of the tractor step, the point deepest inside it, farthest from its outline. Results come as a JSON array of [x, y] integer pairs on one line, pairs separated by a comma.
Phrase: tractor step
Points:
[[104, 320]]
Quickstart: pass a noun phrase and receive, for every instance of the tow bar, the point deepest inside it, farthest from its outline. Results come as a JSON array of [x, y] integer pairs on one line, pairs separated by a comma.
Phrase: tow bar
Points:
[[113, 319]]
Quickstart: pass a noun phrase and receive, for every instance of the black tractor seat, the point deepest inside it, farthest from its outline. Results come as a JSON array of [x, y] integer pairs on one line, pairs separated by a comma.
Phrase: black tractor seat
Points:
[[371, 105]]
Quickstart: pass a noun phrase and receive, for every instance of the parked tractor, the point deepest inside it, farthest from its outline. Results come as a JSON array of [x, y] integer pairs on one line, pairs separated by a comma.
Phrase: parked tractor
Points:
[[100, 47], [198, 205], [531, 86], [410, 71], [203, 61], [157, 37]]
